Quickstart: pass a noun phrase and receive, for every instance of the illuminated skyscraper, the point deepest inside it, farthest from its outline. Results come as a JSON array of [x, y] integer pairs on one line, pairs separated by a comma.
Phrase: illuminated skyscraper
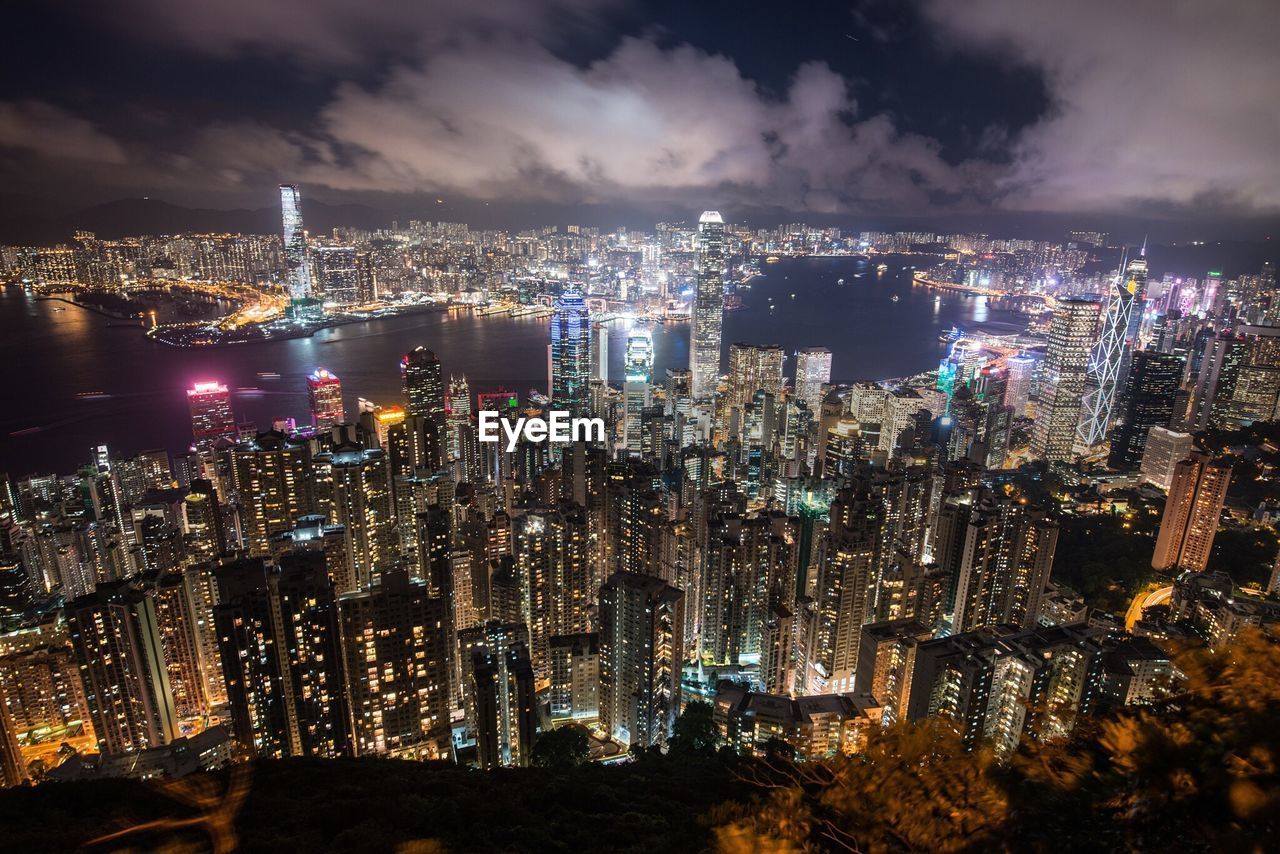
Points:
[[462, 437], [1071, 337], [324, 391], [424, 385], [1192, 513], [210, 405], [600, 352], [1109, 363], [359, 499], [570, 353], [639, 372], [708, 306], [1004, 560], [575, 676], [1216, 383], [1148, 402], [551, 554], [813, 371], [273, 478], [1164, 449], [297, 266], [1018, 389], [423, 381]]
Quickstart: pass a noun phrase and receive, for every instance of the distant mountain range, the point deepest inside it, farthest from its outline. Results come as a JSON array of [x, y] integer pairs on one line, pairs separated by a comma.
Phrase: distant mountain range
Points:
[[128, 217]]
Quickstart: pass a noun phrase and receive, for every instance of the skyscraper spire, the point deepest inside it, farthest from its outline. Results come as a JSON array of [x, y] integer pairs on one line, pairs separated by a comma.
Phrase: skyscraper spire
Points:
[[1112, 355]]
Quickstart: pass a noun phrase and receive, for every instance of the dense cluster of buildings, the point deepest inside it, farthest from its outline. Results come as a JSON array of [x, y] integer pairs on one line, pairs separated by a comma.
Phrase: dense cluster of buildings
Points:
[[817, 559]]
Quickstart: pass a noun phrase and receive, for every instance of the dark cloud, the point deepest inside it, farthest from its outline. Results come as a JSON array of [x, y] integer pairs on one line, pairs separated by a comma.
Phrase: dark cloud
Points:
[[51, 133], [343, 32], [1156, 104], [1155, 107], [510, 119]]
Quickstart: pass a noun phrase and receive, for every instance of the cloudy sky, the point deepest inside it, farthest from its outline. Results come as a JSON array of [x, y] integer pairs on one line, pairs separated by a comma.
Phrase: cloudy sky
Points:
[[1160, 110]]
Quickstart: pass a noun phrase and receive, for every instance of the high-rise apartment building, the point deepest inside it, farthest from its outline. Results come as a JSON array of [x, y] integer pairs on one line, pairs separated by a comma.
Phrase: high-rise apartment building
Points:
[[501, 691], [551, 551], [279, 639], [575, 676], [116, 636], [1192, 513], [423, 383], [337, 274], [1006, 556], [396, 650], [359, 499], [641, 655], [274, 484]]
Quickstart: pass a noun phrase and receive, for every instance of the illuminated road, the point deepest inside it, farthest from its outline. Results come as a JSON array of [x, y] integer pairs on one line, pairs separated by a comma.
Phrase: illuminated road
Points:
[[1142, 601]]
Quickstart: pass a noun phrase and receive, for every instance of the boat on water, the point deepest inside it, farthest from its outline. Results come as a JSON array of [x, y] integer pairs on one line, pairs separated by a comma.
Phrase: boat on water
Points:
[[93, 395], [894, 297], [882, 268], [952, 334], [839, 281], [268, 375], [772, 259]]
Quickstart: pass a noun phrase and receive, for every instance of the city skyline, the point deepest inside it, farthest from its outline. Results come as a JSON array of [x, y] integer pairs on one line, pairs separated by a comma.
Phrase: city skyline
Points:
[[592, 425]]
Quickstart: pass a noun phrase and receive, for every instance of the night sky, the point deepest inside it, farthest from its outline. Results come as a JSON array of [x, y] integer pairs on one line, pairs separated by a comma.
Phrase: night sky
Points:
[[1152, 113]]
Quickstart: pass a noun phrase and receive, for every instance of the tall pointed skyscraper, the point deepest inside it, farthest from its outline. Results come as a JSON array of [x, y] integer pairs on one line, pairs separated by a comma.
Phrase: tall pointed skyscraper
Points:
[[297, 267], [708, 306], [1109, 363]]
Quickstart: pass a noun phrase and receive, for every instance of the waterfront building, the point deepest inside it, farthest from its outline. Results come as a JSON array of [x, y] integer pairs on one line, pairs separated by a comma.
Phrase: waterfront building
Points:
[[708, 306], [324, 393], [297, 263]]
